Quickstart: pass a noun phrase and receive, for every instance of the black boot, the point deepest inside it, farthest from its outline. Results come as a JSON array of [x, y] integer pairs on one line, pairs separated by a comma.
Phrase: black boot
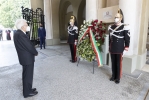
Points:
[[117, 81], [112, 79], [72, 61]]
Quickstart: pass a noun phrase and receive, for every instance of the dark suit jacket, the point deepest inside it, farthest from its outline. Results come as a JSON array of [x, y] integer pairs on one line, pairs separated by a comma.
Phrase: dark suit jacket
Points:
[[41, 32], [25, 49]]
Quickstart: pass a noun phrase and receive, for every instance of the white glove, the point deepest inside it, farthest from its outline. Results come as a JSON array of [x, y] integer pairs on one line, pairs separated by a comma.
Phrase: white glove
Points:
[[75, 43], [124, 52]]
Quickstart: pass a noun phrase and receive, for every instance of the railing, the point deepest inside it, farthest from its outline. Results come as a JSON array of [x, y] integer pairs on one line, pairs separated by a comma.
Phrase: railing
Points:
[[33, 18]]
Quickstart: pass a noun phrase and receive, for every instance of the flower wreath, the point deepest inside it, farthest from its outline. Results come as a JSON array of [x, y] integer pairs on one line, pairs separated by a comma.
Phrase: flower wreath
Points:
[[91, 38]]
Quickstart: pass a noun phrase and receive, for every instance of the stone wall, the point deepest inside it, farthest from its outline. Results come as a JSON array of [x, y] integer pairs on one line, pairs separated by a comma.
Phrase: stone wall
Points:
[[147, 43]]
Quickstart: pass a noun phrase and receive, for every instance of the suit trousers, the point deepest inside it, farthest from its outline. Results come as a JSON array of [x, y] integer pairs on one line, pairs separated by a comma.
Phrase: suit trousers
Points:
[[1, 37], [116, 66], [27, 78], [42, 42]]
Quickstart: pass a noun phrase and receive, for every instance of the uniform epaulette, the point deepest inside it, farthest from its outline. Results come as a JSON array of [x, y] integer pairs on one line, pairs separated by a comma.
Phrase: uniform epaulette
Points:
[[125, 24], [126, 27], [110, 26], [75, 27]]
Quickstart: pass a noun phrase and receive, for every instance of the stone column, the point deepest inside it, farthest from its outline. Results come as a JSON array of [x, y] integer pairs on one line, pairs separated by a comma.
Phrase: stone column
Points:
[[131, 17], [133, 14], [51, 22], [91, 9], [48, 18]]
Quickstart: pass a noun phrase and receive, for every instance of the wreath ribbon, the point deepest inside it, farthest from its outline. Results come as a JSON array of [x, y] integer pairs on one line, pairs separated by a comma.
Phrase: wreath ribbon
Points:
[[94, 45]]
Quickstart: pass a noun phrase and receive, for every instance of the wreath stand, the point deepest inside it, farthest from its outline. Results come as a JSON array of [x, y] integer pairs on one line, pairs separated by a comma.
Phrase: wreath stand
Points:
[[92, 62]]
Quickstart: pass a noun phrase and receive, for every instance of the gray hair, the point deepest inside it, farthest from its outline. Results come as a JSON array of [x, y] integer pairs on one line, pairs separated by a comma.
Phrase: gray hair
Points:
[[19, 23]]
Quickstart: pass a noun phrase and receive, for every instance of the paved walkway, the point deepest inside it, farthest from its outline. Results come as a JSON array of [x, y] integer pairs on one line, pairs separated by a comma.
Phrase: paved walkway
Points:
[[57, 79], [8, 55]]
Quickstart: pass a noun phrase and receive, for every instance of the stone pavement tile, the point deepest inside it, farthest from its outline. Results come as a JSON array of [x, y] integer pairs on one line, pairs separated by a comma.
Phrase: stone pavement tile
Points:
[[55, 50], [146, 68], [57, 79], [7, 50], [63, 80]]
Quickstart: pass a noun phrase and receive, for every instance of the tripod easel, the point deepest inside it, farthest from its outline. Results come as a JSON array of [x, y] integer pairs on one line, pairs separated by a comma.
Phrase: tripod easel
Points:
[[92, 61]]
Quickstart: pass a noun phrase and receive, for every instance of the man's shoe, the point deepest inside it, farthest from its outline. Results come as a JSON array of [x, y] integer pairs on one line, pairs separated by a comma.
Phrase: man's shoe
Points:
[[31, 94], [117, 81], [112, 79], [33, 89]]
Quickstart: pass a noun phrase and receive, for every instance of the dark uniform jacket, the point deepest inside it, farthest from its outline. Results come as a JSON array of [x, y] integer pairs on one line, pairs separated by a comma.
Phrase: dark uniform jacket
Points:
[[73, 34], [25, 50], [119, 39]]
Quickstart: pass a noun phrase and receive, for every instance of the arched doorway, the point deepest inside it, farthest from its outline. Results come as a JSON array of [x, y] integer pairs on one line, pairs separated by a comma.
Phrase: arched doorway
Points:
[[66, 11], [81, 13]]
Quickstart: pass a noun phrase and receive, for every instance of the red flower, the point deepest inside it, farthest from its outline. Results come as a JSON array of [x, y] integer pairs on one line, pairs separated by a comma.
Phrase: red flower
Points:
[[97, 29], [95, 21], [93, 30], [96, 38], [103, 39]]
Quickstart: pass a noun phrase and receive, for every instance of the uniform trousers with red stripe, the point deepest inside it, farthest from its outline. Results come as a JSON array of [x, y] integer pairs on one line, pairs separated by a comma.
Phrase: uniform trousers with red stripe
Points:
[[73, 51], [116, 66]]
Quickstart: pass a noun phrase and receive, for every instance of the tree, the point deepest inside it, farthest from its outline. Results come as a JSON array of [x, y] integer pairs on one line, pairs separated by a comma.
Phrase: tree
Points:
[[10, 10]]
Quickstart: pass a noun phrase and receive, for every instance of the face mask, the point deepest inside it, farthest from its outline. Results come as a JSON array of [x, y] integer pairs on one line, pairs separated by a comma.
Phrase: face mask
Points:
[[70, 23], [40, 27], [116, 20], [28, 28]]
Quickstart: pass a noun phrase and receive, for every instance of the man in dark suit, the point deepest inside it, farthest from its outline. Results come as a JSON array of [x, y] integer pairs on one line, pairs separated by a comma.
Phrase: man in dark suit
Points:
[[42, 35], [26, 54], [8, 36], [1, 34]]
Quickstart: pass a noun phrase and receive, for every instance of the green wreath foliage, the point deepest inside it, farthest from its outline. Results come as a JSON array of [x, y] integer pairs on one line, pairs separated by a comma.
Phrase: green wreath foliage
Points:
[[84, 48]]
